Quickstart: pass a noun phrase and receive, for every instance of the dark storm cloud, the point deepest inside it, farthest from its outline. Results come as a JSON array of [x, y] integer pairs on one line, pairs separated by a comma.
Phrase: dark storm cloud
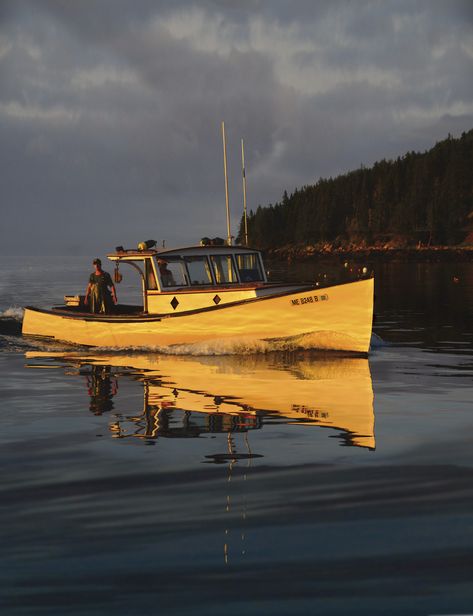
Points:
[[110, 111]]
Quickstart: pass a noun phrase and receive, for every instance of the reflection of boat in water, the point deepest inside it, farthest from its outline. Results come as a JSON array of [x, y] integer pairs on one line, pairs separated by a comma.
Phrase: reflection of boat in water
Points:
[[185, 396], [219, 295], [172, 413], [101, 387]]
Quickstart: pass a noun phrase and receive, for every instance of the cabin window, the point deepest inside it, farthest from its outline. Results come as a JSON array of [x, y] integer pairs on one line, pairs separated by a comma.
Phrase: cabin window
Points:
[[150, 275], [172, 273], [199, 270], [249, 267], [223, 268]]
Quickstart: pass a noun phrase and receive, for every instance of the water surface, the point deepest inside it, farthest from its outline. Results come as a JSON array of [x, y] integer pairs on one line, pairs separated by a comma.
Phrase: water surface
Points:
[[278, 483]]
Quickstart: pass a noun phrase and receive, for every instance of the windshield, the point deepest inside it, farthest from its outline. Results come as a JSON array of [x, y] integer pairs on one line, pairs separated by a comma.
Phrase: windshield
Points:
[[223, 268], [249, 267], [172, 273], [199, 270]]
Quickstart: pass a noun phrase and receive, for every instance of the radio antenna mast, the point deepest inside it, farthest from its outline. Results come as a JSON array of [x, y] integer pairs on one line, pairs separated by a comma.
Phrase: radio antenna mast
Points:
[[229, 235], [243, 174]]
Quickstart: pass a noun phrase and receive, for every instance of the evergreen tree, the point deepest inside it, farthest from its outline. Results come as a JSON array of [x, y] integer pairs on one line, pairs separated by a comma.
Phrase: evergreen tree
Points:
[[423, 197]]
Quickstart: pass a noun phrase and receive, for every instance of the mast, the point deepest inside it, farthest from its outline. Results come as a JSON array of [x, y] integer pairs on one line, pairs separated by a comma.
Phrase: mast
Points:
[[243, 173], [229, 235]]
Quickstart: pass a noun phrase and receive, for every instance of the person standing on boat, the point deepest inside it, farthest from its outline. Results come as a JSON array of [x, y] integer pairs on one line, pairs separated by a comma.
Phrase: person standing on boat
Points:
[[100, 291]]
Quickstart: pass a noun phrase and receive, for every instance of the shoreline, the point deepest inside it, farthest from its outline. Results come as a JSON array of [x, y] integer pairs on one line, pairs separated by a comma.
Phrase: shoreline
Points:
[[378, 253]]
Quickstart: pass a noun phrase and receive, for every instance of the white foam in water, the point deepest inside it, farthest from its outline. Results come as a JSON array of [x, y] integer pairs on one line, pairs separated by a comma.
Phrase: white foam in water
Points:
[[13, 312], [226, 346], [209, 347]]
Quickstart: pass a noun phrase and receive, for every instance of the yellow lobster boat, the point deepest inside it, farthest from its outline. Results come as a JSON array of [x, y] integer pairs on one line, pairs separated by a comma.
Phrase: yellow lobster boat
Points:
[[217, 295]]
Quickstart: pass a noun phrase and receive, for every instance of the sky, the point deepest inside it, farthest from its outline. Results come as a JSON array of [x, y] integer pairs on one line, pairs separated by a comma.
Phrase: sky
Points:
[[111, 110]]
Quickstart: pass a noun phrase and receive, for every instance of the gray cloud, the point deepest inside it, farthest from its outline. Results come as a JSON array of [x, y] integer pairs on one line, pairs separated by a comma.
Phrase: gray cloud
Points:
[[110, 111]]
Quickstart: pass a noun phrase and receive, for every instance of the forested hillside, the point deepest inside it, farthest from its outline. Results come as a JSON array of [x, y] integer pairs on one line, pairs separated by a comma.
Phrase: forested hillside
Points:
[[421, 197]]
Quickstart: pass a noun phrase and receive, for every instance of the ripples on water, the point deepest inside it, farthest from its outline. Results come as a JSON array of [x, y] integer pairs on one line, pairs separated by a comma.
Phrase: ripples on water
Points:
[[278, 483]]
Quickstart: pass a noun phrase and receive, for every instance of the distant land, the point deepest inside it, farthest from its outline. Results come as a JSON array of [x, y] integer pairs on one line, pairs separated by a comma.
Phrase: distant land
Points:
[[420, 203]]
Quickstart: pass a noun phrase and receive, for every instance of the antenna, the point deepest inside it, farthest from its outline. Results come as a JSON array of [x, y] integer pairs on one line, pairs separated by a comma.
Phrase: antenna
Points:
[[243, 173], [229, 235]]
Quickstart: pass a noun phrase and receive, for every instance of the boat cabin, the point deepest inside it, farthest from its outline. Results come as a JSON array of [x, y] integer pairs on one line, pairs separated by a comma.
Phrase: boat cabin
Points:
[[192, 278]]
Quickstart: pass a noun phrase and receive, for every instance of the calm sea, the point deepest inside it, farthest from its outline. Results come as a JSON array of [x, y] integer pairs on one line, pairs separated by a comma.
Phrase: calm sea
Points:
[[279, 483]]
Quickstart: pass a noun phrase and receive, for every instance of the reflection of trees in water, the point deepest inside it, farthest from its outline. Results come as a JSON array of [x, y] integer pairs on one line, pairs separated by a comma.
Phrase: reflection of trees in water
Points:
[[101, 386]]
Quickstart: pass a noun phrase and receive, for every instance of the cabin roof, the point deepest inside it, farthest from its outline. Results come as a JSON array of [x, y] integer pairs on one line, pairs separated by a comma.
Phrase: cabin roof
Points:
[[186, 251], [199, 250]]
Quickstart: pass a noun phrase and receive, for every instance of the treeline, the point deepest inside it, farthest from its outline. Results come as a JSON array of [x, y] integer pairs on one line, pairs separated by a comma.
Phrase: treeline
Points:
[[421, 197]]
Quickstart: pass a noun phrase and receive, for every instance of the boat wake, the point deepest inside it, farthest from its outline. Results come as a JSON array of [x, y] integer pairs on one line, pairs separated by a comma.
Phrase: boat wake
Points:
[[13, 312], [237, 346], [217, 347]]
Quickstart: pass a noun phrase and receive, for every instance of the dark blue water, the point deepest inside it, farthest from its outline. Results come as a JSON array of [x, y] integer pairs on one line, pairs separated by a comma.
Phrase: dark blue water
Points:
[[287, 483]]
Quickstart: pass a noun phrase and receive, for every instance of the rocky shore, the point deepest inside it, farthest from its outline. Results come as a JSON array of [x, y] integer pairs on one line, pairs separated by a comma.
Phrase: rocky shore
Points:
[[385, 252]]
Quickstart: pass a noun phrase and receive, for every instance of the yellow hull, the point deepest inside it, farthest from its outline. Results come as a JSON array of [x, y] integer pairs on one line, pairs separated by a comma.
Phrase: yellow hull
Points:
[[334, 318]]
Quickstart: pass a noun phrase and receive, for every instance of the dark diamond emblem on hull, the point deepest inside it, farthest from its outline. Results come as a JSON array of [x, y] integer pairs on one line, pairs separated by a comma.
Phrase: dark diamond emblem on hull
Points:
[[174, 303], [217, 300]]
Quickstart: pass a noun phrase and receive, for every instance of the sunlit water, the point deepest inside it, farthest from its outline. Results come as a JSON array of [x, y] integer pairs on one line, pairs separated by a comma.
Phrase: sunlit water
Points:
[[275, 483]]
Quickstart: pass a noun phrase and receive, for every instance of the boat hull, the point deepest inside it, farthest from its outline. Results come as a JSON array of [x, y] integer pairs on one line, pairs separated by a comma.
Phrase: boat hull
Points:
[[335, 318]]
